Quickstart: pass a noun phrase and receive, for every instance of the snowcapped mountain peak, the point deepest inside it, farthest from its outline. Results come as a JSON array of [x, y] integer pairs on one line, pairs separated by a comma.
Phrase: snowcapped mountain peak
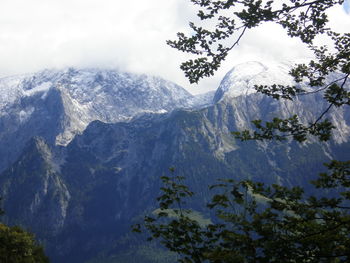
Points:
[[240, 80], [59, 104]]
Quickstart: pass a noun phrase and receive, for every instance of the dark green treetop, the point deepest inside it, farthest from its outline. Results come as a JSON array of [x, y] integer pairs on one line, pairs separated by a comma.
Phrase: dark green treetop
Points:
[[258, 223], [19, 246]]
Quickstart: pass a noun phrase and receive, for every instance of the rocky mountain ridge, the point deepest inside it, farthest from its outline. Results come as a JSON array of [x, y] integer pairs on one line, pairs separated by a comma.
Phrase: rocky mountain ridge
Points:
[[58, 104], [88, 192]]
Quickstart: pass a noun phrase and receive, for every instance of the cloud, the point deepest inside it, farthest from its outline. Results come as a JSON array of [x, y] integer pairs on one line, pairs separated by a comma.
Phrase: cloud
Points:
[[57, 33], [129, 35]]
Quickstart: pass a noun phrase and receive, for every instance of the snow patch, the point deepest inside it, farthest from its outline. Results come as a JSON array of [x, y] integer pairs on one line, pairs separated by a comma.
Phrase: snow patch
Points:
[[240, 80], [90, 94], [42, 88], [25, 114], [9, 91]]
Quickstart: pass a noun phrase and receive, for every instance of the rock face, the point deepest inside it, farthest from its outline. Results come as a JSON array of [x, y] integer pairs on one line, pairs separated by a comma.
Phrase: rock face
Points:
[[35, 186], [81, 197], [238, 84], [57, 105]]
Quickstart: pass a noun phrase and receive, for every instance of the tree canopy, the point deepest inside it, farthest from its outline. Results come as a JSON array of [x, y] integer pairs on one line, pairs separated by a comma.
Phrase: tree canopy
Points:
[[303, 19], [19, 246], [254, 222], [258, 223]]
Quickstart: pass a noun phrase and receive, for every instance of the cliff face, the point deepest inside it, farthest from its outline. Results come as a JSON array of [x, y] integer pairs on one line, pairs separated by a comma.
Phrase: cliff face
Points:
[[57, 105], [35, 192]]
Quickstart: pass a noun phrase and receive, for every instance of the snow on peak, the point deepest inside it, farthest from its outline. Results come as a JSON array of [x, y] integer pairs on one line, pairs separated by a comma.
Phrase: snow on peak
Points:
[[240, 80], [86, 95], [43, 87]]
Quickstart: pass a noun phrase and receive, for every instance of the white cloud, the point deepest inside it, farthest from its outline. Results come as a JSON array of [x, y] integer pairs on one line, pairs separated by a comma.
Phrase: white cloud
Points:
[[130, 35]]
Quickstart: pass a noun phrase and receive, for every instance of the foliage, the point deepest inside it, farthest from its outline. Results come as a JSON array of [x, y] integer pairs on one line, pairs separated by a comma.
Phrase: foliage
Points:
[[303, 19], [19, 246], [253, 222], [258, 223]]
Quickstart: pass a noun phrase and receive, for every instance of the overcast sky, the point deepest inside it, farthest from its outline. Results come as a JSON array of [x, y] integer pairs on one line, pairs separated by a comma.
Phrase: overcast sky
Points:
[[129, 35]]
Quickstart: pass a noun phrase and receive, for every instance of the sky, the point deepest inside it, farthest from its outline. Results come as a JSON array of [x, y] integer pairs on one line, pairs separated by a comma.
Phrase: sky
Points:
[[126, 35]]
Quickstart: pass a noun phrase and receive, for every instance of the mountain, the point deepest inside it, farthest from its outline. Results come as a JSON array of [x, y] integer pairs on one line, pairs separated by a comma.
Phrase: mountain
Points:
[[58, 104], [81, 198], [239, 84], [240, 80]]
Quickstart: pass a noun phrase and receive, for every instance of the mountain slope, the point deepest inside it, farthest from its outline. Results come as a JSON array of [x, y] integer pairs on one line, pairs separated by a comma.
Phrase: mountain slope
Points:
[[107, 177], [57, 105], [39, 197]]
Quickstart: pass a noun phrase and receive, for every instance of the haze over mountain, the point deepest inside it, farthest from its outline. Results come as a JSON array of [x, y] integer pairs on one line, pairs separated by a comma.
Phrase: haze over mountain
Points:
[[84, 150]]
